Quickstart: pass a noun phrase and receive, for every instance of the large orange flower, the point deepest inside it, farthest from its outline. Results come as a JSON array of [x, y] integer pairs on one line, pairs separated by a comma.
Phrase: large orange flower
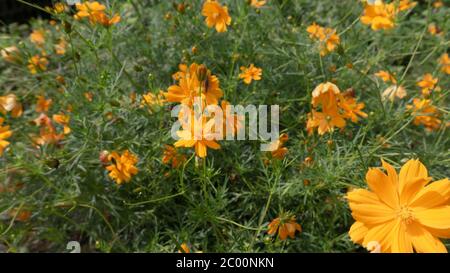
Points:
[[401, 212], [216, 15]]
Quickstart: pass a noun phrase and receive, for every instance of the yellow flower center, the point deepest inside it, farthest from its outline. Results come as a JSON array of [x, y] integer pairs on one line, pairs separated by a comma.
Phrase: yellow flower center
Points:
[[405, 214]]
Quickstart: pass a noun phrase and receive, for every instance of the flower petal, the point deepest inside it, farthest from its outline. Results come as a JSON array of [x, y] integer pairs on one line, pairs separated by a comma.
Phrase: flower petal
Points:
[[381, 185], [423, 241], [433, 195], [438, 218], [357, 232]]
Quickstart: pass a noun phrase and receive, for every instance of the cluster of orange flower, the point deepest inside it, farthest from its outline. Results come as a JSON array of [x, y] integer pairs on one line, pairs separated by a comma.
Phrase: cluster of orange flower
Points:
[[327, 37], [197, 87], [380, 15], [336, 108], [48, 133], [95, 12]]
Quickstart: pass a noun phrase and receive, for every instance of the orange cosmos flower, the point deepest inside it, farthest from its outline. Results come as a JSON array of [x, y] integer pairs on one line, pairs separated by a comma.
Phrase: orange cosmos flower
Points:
[[433, 29], [257, 3], [250, 73], [444, 60], [89, 9], [325, 122], [379, 15], [104, 20], [151, 100], [37, 63], [194, 81], [47, 132], [327, 37], [216, 15], [386, 76], [286, 225], [425, 114], [335, 109], [4, 134], [9, 103], [401, 212], [277, 147], [42, 105], [198, 133], [63, 120], [394, 91], [171, 155], [10, 54], [352, 109], [37, 37], [428, 83], [122, 167]]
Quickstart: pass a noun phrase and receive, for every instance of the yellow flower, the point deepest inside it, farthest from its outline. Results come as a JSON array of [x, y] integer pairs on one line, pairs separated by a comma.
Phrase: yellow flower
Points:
[[444, 60], [277, 147], [250, 73], [394, 91], [10, 54], [42, 105], [171, 155], [216, 15], [386, 76], [425, 114], [63, 120], [4, 134], [37, 63], [379, 15], [37, 37], [428, 83], [327, 37], [151, 100], [286, 225], [257, 3], [198, 133], [401, 212], [122, 167], [9, 103]]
